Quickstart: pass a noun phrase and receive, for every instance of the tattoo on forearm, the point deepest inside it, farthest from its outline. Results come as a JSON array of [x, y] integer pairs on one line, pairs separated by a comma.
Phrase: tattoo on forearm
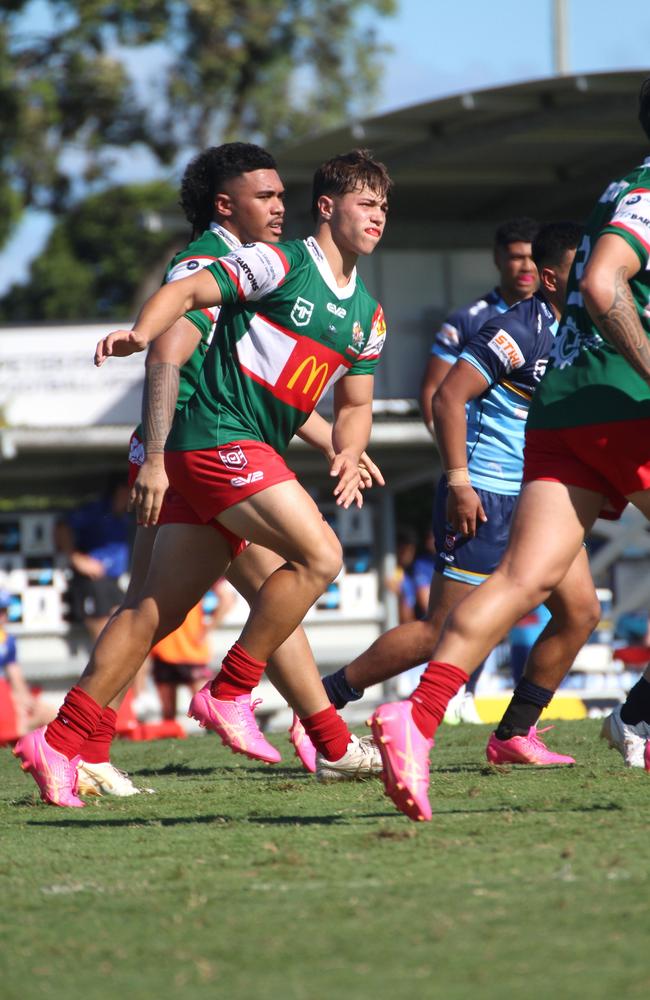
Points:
[[158, 404], [622, 327]]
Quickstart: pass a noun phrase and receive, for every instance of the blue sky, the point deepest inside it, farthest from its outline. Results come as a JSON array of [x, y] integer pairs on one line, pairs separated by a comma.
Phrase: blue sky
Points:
[[441, 48]]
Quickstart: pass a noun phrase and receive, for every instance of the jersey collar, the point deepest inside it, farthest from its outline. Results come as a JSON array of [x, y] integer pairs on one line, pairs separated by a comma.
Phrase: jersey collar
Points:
[[500, 305], [229, 238], [326, 273]]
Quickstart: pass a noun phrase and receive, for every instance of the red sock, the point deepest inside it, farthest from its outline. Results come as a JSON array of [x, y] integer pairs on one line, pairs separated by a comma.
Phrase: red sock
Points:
[[438, 685], [328, 732], [97, 748], [78, 717], [239, 674]]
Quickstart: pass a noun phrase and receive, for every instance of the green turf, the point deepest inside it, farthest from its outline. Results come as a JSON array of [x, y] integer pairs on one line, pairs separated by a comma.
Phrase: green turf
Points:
[[247, 882]]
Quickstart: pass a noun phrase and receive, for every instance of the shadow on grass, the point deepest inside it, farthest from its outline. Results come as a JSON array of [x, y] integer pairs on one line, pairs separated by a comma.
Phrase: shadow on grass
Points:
[[178, 770], [135, 821], [188, 771], [562, 807]]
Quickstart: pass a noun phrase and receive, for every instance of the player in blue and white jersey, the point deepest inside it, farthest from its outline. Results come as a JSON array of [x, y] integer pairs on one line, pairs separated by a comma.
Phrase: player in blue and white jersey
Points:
[[518, 279], [480, 413]]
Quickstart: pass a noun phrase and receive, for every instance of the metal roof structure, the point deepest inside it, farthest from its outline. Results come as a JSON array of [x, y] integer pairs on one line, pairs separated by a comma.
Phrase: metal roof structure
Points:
[[464, 163]]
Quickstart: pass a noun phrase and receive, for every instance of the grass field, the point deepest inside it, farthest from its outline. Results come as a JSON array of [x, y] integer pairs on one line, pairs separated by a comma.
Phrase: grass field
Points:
[[242, 881]]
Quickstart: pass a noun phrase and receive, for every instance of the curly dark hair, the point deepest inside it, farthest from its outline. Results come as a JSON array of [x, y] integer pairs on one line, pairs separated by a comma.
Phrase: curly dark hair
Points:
[[553, 240], [206, 173], [522, 230], [644, 106], [346, 172]]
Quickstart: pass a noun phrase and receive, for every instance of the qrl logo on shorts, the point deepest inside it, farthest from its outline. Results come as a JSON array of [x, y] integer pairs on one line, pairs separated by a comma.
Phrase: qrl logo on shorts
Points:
[[136, 451], [234, 458]]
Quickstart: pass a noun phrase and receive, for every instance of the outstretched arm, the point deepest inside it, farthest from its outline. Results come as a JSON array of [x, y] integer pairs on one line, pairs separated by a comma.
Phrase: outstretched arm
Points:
[[159, 312], [606, 291]]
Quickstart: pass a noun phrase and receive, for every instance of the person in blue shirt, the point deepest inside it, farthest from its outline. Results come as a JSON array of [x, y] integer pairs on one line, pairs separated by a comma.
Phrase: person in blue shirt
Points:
[[480, 413], [95, 537], [518, 279]]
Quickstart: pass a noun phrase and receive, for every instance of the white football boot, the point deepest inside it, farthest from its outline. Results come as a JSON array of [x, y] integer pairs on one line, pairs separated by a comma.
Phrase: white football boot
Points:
[[360, 761]]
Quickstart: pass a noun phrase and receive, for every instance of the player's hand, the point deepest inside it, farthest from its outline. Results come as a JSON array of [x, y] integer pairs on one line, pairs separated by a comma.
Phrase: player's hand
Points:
[[148, 491], [465, 510], [369, 472], [119, 344], [346, 468]]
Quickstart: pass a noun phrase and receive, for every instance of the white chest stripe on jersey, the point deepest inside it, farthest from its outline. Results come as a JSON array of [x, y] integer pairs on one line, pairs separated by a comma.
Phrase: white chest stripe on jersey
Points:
[[265, 349]]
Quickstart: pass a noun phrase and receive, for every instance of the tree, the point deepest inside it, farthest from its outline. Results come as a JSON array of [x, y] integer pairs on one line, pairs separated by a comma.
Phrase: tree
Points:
[[267, 70], [96, 256]]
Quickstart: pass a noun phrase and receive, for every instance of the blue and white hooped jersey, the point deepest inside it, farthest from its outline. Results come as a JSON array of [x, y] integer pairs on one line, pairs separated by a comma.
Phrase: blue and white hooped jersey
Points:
[[461, 325], [511, 352]]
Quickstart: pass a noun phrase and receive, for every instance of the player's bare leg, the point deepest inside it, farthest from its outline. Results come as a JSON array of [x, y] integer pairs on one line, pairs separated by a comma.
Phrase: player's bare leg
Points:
[[627, 729], [292, 668], [549, 527], [407, 645], [548, 530], [575, 613], [197, 554], [285, 519]]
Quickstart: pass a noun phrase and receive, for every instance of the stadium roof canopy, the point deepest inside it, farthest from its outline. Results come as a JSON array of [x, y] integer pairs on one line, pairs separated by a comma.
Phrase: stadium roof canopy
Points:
[[464, 163]]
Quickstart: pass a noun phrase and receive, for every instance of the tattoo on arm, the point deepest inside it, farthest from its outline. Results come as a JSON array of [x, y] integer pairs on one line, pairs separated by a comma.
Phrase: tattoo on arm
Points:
[[622, 327], [159, 404]]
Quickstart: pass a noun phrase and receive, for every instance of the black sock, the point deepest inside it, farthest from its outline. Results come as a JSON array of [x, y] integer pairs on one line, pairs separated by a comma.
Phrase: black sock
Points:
[[470, 687], [338, 690], [637, 704], [527, 703]]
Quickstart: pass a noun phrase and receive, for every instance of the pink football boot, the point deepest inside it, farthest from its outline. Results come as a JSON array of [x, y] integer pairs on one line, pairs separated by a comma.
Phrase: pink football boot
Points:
[[55, 775], [305, 749], [527, 749], [405, 756], [234, 722]]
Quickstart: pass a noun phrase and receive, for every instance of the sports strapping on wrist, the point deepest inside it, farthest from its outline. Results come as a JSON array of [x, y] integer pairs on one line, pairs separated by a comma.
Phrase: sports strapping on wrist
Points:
[[458, 477]]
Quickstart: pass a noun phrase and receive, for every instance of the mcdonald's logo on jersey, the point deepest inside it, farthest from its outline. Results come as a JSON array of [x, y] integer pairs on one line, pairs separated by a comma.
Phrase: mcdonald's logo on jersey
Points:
[[314, 372]]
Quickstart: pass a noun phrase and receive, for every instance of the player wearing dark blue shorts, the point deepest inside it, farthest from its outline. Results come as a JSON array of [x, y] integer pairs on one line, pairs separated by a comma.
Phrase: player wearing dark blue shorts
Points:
[[480, 411], [518, 280]]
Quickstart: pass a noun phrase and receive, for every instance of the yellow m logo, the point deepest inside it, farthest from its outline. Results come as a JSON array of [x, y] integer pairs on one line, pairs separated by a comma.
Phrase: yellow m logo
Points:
[[314, 371]]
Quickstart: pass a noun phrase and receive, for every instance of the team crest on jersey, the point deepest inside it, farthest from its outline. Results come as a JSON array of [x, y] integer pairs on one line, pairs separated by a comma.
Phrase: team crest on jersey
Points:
[[357, 333], [233, 458], [302, 311]]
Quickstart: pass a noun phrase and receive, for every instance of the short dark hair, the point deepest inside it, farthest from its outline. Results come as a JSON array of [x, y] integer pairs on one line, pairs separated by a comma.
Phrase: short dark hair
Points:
[[347, 172], [644, 106], [553, 240], [523, 230], [208, 171]]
